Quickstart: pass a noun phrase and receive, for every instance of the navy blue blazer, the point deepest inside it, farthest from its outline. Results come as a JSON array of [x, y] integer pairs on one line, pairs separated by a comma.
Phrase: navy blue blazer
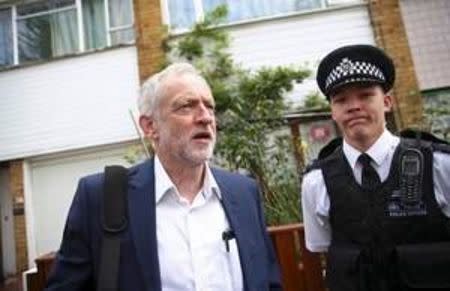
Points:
[[77, 261]]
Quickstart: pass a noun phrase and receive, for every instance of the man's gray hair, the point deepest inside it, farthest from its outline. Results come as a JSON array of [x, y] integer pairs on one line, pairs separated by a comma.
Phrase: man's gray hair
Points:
[[151, 91]]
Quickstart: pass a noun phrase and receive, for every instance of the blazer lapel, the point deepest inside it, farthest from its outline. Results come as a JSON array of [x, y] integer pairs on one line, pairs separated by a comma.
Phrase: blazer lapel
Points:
[[142, 220], [234, 211]]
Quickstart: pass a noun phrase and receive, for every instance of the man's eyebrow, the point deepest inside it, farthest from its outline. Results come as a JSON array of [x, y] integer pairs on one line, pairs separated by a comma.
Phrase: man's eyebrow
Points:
[[210, 102], [184, 98]]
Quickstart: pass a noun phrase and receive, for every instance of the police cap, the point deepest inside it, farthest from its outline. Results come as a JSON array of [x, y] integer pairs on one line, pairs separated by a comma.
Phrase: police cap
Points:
[[355, 64]]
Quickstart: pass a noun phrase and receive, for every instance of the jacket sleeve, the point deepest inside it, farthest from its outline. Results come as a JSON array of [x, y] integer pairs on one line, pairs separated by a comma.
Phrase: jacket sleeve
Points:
[[274, 276], [73, 269]]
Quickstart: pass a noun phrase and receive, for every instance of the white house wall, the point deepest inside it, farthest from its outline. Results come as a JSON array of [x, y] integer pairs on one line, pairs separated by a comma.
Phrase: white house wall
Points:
[[67, 104], [300, 39]]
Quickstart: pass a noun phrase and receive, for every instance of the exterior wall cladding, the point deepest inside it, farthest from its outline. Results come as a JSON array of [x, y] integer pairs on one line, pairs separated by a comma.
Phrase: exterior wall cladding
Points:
[[427, 25], [389, 33]]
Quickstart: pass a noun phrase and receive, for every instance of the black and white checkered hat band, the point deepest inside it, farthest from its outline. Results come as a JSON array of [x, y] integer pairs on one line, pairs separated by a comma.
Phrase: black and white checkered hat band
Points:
[[355, 80], [353, 71]]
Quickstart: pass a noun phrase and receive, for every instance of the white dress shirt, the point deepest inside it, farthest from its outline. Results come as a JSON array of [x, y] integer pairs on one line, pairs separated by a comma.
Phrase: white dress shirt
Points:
[[192, 254], [316, 203]]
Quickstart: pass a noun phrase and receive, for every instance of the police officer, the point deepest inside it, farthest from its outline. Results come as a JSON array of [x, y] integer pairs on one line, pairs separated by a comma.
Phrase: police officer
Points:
[[378, 204]]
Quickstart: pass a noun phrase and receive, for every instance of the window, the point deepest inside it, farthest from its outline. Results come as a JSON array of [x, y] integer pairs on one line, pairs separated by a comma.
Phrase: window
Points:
[[183, 13], [52, 28], [107, 22], [6, 43], [46, 29], [241, 10], [94, 24], [120, 21]]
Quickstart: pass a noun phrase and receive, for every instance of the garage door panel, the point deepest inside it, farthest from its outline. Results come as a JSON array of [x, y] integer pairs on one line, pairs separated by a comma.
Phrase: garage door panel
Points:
[[53, 183]]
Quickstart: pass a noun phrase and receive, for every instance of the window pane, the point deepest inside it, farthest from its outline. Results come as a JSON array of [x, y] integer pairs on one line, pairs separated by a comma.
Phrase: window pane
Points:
[[241, 10], [6, 41], [47, 36], [122, 36], [94, 24], [120, 13], [42, 6], [182, 13]]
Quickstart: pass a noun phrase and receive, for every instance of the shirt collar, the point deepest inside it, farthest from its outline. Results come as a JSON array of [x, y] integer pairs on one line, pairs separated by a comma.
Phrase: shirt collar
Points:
[[163, 183], [379, 151]]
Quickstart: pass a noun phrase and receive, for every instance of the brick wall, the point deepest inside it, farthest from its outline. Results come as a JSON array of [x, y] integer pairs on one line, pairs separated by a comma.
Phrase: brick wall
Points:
[[20, 236], [149, 35], [390, 35]]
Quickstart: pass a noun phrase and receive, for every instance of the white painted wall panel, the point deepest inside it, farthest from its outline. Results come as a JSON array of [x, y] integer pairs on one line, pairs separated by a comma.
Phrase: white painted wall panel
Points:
[[427, 25], [53, 182], [68, 104], [301, 39]]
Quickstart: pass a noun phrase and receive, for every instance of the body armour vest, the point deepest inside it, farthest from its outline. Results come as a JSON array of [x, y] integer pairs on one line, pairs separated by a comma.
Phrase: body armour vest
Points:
[[377, 243]]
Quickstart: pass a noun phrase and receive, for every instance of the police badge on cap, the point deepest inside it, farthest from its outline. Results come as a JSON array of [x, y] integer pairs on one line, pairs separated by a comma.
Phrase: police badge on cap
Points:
[[355, 64]]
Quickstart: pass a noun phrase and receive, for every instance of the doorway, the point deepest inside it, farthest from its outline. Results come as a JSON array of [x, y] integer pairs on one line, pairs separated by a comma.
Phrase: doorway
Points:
[[7, 241]]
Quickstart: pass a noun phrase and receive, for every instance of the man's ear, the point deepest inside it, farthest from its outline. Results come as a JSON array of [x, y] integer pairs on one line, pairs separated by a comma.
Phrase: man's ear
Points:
[[332, 112], [387, 102], [148, 126]]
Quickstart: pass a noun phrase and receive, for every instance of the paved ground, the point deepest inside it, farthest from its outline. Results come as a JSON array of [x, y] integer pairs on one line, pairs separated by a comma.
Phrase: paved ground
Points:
[[11, 284]]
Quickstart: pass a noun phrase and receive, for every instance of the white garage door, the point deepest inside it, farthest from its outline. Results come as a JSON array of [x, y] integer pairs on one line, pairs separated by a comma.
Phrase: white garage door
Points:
[[53, 181]]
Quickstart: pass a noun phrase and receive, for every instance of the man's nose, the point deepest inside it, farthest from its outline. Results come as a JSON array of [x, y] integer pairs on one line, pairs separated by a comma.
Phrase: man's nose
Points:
[[205, 114], [354, 104]]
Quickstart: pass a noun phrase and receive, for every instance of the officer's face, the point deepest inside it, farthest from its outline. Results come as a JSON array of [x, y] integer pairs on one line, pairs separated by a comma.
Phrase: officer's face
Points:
[[184, 129], [359, 110]]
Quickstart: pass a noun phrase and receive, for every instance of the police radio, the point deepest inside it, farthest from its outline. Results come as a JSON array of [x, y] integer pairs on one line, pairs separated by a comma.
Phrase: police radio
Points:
[[411, 163]]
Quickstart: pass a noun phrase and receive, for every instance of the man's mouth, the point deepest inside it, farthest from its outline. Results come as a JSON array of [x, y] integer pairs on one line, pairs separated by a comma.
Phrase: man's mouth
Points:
[[355, 120], [202, 136]]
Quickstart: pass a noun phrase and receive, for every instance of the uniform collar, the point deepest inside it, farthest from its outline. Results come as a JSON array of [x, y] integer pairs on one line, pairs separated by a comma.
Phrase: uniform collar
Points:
[[163, 183], [379, 151]]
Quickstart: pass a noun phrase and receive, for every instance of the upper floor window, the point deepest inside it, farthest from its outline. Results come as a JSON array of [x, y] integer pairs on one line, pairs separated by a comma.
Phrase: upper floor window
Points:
[[107, 22], [44, 29], [6, 51], [184, 13]]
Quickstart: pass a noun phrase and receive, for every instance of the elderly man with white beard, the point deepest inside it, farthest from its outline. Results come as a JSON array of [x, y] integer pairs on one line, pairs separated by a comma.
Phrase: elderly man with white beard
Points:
[[190, 226]]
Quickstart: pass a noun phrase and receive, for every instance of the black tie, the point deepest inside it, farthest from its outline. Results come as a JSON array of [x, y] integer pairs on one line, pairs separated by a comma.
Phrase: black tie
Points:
[[369, 178]]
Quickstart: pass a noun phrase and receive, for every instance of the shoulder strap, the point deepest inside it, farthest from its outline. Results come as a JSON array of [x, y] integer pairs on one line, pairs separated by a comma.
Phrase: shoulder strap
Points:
[[437, 144], [114, 222], [330, 148], [423, 135], [326, 151]]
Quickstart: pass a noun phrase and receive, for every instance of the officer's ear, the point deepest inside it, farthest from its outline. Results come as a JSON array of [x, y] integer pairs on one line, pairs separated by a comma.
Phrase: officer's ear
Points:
[[387, 101]]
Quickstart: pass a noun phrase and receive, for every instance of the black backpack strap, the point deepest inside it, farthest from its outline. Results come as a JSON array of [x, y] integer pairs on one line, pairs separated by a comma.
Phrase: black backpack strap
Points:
[[114, 222]]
